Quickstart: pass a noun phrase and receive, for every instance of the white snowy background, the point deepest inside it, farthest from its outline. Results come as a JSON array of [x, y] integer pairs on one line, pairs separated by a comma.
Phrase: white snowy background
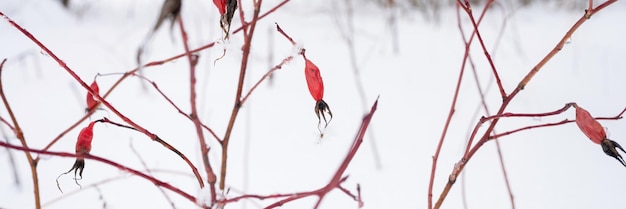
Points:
[[275, 147]]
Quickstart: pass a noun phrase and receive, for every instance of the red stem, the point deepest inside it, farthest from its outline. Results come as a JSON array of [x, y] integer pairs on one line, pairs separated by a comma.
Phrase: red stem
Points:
[[101, 99], [450, 113], [565, 121], [217, 138], [336, 180], [237, 105], [461, 163], [468, 10], [280, 30], [106, 161], [193, 60], [265, 76]]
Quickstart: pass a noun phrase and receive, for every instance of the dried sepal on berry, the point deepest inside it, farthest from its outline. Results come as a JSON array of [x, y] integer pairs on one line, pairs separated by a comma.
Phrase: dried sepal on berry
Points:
[[227, 11], [608, 146], [321, 108], [83, 147], [171, 10]]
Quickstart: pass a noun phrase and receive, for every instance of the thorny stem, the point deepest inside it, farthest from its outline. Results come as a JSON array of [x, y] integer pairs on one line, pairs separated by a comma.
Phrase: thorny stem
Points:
[[458, 168], [237, 105], [102, 100], [155, 181], [20, 135]]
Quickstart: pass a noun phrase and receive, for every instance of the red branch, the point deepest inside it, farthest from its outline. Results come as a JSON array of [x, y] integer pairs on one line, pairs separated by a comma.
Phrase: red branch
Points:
[[334, 183], [265, 76], [156, 87], [150, 64], [237, 104], [450, 113], [458, 168], [617, 117], [101, 99], [468, 10], [204, 149], [337, 179], [111, 163], [280, 30]]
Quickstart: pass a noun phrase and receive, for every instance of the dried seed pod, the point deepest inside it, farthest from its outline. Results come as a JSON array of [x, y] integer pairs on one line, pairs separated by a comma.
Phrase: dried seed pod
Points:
[[595, 132], [171, 10], [227, 11], [83, 147], [316, 88], [589, 126], [92, 100], [314, 80]]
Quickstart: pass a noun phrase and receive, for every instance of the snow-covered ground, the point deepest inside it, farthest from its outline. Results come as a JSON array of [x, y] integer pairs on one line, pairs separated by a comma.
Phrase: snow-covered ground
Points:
[[275, 147]]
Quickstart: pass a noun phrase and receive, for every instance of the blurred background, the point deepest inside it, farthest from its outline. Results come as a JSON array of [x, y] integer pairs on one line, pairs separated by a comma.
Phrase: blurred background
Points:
[[407, 52]]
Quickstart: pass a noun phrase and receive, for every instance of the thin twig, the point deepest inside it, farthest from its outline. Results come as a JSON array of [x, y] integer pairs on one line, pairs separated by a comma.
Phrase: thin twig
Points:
[[151, 135], [156, 87], [193, 60], [565, 121], [149, 172], [155, 181], [237, 106], [338, 178], [450, 113], [20, 135], [347, 34], [485, 137], [468, 10], [16, 174], [265, 76], [149, 64]]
